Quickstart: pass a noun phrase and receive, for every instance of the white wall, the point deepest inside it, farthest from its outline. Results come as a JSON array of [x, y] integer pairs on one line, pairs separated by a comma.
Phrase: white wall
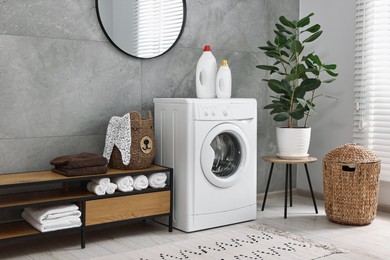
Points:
[[332, 126]]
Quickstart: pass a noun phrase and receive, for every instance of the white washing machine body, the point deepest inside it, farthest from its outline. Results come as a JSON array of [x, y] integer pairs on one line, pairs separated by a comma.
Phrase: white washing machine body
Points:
[[211, 145]]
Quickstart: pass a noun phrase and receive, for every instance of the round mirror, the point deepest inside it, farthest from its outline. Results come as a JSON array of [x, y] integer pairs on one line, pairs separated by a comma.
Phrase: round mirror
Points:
[[142, 28]]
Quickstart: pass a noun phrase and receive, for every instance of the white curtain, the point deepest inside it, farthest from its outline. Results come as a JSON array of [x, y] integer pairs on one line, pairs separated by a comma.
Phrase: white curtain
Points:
[[372, 79], [159, 23]]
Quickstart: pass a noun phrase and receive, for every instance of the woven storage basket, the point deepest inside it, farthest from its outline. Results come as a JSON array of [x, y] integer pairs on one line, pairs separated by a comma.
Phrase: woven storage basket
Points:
[[351, 183], [142, 145]]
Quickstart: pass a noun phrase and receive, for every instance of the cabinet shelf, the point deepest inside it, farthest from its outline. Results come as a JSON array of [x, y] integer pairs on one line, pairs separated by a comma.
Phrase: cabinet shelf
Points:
[[96, 210], [60, 196]]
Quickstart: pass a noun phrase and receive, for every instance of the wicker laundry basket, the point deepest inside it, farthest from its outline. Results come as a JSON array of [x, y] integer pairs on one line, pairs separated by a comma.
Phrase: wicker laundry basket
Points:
[[142, 149], [351, 183]]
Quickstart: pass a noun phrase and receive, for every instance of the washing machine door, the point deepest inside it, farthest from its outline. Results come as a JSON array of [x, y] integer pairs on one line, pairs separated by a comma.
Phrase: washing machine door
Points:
[[224, 155]]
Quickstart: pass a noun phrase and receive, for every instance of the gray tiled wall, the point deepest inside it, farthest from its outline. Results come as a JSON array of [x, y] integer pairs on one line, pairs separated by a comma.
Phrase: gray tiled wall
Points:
[[61, 80]]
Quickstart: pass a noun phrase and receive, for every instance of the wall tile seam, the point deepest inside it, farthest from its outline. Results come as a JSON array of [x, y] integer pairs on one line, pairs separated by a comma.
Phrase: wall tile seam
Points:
[[217, 50], [45, 137], [55, 38]]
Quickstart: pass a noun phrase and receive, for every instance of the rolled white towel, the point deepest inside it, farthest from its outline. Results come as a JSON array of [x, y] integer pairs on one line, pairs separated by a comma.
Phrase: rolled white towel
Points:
[[124, 184], [140, 182], [102, 181], [96, 188], [157, 180], [48, 213], [111, 187]]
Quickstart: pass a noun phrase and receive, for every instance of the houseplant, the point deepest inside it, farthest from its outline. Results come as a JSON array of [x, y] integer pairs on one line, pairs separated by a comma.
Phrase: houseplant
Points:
[[295, 81]]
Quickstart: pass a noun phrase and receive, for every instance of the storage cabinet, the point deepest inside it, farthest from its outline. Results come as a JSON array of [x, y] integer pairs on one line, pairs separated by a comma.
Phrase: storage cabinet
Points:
[[97, 211]]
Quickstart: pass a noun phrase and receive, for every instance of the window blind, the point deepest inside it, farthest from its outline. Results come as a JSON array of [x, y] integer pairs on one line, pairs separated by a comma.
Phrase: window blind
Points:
[[372, 79], [158, 25]]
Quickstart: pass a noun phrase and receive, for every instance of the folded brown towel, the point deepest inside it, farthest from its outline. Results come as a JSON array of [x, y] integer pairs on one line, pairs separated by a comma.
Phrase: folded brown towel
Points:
[[81, 160], [80, 171]]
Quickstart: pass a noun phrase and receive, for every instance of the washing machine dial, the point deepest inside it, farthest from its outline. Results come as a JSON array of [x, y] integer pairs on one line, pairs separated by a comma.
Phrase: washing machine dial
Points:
[[225, 113]]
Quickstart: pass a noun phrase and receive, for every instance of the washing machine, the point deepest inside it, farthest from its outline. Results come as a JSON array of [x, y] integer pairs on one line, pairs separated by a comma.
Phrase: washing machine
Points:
[[211, 146]]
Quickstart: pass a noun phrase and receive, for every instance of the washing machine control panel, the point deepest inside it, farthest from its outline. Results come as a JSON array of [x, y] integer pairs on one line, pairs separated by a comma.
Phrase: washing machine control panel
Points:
[[212, 112]]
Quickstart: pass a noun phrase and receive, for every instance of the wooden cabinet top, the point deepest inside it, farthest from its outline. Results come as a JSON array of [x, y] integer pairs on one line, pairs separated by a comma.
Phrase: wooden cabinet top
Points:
[[40, 177]]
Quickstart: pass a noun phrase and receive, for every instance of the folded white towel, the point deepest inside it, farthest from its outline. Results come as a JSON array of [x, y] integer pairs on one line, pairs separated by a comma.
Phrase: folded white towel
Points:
[[102, 181], [157, 180], [140, 182], [52, 225], [111, 187], [124, 184], [44, 214], [96, 188]]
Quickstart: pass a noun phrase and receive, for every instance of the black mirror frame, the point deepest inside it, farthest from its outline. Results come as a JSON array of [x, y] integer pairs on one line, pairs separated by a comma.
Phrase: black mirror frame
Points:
[[113, 43]]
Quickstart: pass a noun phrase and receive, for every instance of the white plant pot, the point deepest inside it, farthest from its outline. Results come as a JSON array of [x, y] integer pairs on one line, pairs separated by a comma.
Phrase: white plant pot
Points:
[[293, 143]]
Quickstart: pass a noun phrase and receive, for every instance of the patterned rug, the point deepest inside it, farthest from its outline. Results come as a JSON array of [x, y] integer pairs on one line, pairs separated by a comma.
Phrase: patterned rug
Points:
[[252, 242]]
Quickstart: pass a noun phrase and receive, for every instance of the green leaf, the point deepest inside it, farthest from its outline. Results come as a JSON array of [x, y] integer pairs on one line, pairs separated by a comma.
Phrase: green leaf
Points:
[[270, 44], [314, 71], [300, 92], [281, 28], [278, 110], [315, 59], [276, 86], [279, 87], [287, 22], [273, 105], [287, 87], [299, 69], [296, 46], [268, 48], [298, 113], [280, 40], [267, 67], [313, 28], [281, 117], [329, 80], [284, 53], [272, 54], [291, 77], [308, 63], [310, 84], [304, 20], [330, 66], [313, 37], [279, 33], [332, 73]]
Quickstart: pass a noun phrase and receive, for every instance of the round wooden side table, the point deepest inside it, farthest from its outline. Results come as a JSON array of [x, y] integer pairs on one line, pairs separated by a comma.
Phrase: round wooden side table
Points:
[[289, 163]]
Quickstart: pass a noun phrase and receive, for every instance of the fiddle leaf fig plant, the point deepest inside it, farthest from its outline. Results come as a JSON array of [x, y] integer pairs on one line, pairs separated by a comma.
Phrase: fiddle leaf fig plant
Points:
[[298, 75]]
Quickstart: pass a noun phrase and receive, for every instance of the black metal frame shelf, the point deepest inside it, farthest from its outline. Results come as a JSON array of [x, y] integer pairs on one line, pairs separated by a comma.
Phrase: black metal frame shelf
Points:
[[78, 195]]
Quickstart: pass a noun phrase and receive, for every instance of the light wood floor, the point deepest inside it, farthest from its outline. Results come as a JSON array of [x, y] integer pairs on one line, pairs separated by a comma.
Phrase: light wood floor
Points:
[[362, 242]]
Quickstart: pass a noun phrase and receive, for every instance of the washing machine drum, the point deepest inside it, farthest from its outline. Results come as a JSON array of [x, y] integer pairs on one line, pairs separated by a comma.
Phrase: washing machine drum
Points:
[[224, 154]]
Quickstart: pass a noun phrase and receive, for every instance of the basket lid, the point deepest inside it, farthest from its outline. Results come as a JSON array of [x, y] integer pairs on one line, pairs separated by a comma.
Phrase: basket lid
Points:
[[351, 153]]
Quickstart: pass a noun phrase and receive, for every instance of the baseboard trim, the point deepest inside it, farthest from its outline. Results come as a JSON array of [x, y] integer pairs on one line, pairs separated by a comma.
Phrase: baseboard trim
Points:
[[381, 207], [384, 208], [306, 193]]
